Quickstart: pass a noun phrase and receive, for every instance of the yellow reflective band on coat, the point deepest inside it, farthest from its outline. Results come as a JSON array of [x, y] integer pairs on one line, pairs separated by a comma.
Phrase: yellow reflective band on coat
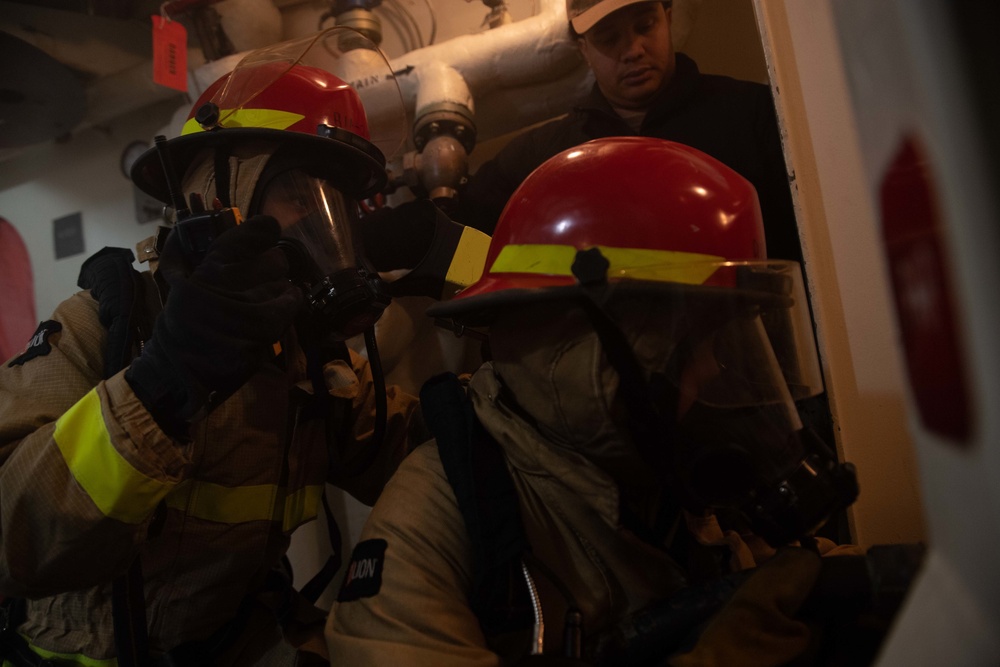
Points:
[[241, 504], [255, 118], [301, 506], [632, 263], [469, 259], [67, 659], [119, 490]]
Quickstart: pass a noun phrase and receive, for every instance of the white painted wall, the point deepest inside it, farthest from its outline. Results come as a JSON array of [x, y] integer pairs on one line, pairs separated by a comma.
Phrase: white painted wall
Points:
[[909, 81], [845, 269], [80, 176]]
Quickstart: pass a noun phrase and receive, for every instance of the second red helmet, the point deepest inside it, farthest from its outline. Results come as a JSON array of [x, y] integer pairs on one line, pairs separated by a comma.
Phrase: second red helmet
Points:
[[658, 211]]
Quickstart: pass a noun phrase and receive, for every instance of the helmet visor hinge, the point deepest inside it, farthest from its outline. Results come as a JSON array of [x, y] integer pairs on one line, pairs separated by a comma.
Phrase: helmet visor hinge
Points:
[[207, 116], [590, 267]]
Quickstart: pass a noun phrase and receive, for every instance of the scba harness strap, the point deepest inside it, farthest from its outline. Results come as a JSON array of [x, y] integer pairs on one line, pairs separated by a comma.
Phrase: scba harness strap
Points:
[[476, 468], [484, 490], [851, 592]]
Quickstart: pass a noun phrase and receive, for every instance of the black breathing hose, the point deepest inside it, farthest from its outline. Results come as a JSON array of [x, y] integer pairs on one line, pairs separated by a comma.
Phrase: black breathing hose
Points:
[[381, 405]]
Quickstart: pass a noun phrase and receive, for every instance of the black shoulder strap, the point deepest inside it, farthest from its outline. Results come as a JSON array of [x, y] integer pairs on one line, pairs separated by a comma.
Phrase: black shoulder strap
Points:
[[477, 471], [109, 276], [313, 589]]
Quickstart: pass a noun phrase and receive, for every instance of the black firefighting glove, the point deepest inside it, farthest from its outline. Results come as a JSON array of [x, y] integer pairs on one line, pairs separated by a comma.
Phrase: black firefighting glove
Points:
[[443, 256], [759, 625], [220, 322]]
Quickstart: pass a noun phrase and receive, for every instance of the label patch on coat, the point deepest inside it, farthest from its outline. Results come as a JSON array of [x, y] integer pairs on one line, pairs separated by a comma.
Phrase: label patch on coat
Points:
[[38, 346], [364, 573]]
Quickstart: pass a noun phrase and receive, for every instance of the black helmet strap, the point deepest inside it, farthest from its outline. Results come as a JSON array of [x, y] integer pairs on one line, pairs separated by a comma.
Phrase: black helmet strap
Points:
[[650, 427]]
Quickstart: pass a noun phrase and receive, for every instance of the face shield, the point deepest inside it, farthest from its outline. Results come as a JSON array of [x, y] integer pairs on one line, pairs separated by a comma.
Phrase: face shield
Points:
[[709, 376], [319, 236], [734, 420]]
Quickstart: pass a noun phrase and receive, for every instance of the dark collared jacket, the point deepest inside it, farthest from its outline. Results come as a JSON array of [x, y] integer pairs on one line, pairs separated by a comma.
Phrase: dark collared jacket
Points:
[[731, 120]]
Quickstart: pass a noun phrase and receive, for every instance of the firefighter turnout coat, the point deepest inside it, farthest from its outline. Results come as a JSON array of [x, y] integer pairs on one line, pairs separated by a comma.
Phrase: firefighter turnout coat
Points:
[[408, 597], [88, 482], [419, 611]]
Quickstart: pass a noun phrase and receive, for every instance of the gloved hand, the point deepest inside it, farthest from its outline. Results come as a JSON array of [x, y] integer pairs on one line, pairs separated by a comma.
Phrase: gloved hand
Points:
[[444, 256], [758, 626], [219, 323]]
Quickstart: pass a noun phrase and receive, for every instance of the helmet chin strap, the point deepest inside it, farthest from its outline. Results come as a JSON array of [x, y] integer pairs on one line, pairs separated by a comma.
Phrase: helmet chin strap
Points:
[[650, 427]]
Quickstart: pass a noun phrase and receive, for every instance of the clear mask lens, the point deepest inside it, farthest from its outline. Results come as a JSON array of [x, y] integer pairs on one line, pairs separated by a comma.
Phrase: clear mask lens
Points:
[[316, 215], [728, 355], [318, 226]]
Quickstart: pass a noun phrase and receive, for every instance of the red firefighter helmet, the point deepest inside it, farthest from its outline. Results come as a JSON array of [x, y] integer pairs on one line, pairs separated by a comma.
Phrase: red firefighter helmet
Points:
[[280, 94], [657, 210], [653, 254]]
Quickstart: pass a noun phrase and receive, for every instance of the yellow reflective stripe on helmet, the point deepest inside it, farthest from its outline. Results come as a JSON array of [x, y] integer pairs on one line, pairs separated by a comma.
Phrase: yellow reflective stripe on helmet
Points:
[[633, 263], [255, 118], [118, 489], [68, 659], [240, 504], [470, 255]]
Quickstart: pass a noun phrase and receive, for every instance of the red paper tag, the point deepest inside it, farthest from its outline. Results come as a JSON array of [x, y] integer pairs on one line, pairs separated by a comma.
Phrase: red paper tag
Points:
[[169, 53]]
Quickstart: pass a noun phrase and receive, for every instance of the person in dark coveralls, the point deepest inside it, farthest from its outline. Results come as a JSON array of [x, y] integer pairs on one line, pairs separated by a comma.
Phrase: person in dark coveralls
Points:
[[643, 87]]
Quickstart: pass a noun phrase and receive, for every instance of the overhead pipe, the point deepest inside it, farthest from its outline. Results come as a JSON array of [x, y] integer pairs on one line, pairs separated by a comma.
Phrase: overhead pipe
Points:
[[499, 14], [440, 83], [249, 24], [444, 133], [357, 14], [530, 52], [518, 74], [535, 53]]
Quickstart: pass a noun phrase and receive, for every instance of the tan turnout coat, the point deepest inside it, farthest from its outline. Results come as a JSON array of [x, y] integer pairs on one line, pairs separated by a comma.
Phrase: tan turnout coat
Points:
[[88, 481], [569, 507]]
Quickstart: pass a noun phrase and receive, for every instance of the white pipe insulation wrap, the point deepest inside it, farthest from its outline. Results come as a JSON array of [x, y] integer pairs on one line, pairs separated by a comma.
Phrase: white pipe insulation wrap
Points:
[[249, 24], [530, 51], [533, 53], [208, 73], [437, 83]]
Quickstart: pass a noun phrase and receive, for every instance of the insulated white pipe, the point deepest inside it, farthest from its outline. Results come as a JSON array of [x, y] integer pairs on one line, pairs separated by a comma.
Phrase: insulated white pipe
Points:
[[443, 129], [525, 52], [530, 52], [249, 24], [535, 54], [437, 83]]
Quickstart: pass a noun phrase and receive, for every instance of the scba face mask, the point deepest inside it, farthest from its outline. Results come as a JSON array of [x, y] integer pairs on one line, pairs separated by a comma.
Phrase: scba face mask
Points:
[[344, 296], [723, 414], [733, 434]]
